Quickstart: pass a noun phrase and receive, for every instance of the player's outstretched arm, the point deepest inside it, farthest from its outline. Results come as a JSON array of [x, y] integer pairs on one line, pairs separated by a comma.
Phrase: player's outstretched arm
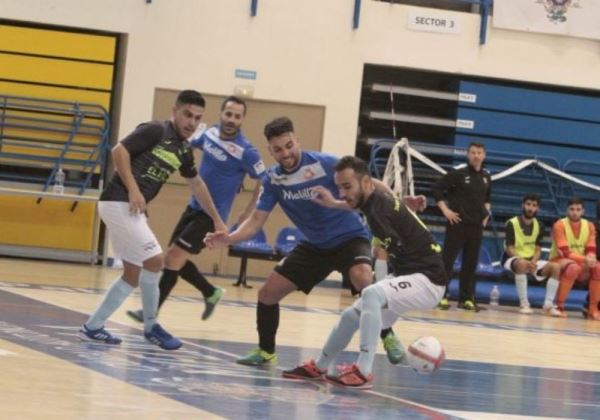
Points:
[[251, 204], [122, 161], [244, 232], [201, 192], [324, 197]]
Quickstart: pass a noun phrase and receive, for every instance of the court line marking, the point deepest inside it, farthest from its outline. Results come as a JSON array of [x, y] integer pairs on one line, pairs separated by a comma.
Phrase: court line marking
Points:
[[270, 377]]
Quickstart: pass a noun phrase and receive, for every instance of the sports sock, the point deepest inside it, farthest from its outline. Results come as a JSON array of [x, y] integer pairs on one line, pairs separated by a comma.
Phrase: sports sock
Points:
[[370, 324], [381, 269], [114, 297], [189, 272], [521, 285], [551, 288], [167, 281], [388, 319], [150, 293], [339, 337], [267, 321]]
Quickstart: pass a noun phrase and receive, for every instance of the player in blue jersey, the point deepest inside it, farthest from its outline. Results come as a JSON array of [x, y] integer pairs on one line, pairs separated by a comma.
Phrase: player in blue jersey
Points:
[[336, 239], [227, 157]]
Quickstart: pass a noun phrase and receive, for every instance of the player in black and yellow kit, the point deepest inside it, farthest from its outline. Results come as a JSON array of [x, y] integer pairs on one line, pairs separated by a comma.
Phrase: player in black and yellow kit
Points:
[[144, 160], [418, 281]]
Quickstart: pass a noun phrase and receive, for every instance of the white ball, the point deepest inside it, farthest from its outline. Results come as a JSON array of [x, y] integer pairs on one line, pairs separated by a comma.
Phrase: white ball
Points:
[[425, 355]]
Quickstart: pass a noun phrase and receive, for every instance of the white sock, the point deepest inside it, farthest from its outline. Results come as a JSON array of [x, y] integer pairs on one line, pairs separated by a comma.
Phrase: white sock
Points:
[[551, 288], [339, 337], [521, 283], [150, 293], [373, 299], [388, 318], [381, 269], [114, 297]]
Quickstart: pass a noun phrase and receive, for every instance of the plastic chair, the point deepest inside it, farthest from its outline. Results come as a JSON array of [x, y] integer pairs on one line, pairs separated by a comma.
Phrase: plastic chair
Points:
[[287, 239]]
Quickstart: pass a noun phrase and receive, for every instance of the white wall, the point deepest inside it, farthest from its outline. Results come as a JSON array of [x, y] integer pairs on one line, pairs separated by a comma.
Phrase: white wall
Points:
[[304, 51]]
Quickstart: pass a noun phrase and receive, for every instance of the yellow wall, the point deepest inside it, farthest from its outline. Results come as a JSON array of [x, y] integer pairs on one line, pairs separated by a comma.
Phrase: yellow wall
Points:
[[58, 65]]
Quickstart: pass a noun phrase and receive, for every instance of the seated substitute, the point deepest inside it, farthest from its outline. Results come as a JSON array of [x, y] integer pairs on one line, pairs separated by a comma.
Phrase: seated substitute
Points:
[[522, 250], [574, 249]]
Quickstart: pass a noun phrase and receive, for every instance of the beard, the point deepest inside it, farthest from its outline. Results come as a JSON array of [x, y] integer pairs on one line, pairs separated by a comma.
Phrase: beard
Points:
[[529, 214]]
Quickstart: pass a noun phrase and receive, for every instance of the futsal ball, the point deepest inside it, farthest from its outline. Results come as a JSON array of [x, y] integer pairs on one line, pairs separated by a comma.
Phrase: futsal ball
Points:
[[425, 355]]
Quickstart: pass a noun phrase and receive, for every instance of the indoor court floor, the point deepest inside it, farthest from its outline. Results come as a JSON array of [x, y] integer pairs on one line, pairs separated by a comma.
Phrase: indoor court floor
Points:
[[500, 364]]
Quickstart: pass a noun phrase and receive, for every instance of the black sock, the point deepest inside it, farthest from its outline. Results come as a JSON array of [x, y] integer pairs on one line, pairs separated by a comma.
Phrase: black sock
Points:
[[166, 284], [189, 272], [385, 332], [267, 321]]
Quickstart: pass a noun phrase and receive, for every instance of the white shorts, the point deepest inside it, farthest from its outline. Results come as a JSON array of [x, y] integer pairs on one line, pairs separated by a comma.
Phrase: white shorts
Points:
[[410, 292], [538, 272], [132, 239]]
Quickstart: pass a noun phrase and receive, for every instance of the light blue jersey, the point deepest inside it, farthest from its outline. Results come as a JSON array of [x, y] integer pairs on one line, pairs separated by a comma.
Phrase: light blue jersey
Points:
[[223, 167], [322, 226]]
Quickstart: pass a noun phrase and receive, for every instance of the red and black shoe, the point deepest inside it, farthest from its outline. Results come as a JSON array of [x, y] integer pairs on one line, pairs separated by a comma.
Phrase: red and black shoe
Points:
[[307, 370], [350, 376]]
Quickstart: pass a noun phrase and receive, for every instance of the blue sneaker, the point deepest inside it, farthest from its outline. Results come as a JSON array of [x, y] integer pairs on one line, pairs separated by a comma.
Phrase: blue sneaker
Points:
[[157, 335], [99, 335]]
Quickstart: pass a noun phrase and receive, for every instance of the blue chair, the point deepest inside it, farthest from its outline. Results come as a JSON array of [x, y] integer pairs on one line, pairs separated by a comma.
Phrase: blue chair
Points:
[[256, 247], [287, 239]]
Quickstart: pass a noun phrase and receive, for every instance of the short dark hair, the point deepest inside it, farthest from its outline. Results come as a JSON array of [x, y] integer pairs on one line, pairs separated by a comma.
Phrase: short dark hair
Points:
[[190, 97], [278, 126], [574, 200], [236, 100], [358, 165], [476, 144], [531, 197]]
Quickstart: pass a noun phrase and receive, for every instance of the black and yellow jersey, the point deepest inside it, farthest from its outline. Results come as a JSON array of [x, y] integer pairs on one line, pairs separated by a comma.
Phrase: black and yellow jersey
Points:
[[408, 242], [156, 151]]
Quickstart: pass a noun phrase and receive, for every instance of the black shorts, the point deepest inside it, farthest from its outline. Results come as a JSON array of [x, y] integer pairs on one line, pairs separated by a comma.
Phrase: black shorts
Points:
[[306, 265], [191, 229]]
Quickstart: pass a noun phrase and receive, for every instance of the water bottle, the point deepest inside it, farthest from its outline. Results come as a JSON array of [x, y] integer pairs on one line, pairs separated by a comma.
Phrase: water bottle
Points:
[[59, 182], [495, 296]]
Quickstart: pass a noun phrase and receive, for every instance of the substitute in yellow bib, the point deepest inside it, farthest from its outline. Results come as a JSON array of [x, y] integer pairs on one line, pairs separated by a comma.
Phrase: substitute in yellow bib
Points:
[[522, 251], [574, 249]]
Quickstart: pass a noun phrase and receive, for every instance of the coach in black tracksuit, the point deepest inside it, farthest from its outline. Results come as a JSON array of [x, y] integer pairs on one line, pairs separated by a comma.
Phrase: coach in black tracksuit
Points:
[[463, 196]]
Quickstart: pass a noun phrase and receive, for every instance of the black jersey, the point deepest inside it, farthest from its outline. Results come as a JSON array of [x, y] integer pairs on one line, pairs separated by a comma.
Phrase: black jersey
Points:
[[467, 191], [156, 151], [408, 242]]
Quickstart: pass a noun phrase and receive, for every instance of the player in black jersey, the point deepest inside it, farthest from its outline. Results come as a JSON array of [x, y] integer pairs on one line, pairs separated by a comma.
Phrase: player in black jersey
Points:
[[419, 276], [144, 160]]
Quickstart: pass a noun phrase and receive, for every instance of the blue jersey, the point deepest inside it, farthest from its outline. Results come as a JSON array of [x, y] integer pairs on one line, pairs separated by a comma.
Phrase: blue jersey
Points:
[[223, 167], [323, 227]]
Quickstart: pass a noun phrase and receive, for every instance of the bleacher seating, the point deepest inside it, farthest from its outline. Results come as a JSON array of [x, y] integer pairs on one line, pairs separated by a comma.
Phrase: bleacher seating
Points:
[[39, 136]]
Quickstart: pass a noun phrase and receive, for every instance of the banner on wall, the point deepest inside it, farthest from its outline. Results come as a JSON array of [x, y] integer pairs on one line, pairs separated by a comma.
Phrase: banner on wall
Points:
[[577, 18]]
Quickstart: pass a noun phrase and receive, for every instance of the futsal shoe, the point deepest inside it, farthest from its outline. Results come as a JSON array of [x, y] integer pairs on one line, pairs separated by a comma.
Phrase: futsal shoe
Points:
[[594, 315], [393, 348], [444, 305], [157, 335], [211, 301], [469, 305], [551, 310], [100, 335], [308, 370], [525, 309], [258, 357], [350, 376], [136, 315]]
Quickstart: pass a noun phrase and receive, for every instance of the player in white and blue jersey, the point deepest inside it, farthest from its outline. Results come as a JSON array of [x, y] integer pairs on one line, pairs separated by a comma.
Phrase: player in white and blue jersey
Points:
[[228, 156], [336, 239]]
